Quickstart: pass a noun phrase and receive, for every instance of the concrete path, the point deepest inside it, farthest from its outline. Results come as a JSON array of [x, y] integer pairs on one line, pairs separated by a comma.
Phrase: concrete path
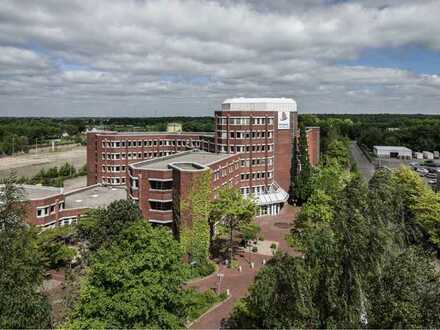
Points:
[[365, 167], [274, 229]]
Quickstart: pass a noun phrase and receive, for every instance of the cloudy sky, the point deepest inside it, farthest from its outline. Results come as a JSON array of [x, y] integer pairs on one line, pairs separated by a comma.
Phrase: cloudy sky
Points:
[[183, 57]]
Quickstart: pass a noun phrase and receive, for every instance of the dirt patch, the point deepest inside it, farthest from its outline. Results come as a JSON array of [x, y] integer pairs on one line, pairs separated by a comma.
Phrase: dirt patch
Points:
[[29, 164]]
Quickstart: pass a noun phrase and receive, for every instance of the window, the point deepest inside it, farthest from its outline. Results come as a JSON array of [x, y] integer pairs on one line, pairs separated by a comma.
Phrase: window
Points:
[[161, 185], [42, 211], [161, 206]]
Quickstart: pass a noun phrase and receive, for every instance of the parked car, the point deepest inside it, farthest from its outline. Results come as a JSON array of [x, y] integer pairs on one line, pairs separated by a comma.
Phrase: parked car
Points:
[[421, 170]]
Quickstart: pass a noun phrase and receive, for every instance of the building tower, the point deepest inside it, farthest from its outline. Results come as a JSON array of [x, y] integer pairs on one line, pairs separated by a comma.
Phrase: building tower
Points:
[[262, 131]]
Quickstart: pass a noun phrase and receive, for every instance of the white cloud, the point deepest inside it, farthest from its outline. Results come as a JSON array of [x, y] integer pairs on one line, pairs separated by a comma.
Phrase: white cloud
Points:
[[155, 53]]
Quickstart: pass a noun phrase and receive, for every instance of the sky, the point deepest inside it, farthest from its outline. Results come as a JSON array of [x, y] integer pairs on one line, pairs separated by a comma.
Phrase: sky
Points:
[[183, 57]]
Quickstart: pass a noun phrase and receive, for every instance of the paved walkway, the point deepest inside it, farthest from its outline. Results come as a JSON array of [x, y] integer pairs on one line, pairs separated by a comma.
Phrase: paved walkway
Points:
[[274, 229]]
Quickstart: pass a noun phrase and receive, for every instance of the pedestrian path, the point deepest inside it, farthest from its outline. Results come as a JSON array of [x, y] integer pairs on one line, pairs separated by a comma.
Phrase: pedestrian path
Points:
[[273, 228]]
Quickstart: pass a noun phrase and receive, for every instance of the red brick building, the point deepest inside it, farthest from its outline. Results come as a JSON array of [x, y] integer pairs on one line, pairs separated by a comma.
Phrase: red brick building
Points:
[[252, 139], [250, 149], [48, 207]]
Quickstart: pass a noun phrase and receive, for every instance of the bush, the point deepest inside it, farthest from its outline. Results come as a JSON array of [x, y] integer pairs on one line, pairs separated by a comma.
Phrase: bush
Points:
[[202, 270], [198, 303]]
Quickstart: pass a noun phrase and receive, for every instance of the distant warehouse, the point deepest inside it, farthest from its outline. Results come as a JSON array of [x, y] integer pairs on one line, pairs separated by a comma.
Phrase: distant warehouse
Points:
[[392, 152]]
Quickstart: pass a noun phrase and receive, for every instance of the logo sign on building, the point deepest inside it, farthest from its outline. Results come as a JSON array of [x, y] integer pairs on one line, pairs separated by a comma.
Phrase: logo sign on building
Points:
[[283, 120]]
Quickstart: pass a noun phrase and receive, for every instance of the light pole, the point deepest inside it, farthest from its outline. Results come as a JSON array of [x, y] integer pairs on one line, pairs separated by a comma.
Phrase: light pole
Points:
[[220, 277]]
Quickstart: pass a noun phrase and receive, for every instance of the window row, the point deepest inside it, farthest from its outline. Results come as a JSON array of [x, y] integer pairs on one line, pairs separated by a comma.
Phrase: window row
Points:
[[222, 172], [135, 155], [245, 120], [161, 185], [246, 148], [113, 180], [113, 169], [256, 162], [150, 143], [44, 211], [245, 134], [255, 176], [256, 190], [61, 222], [161, 206]]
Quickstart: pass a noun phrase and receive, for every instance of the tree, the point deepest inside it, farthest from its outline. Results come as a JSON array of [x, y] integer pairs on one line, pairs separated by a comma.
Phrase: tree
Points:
[[250, 232], [134, 283], [53, 248], [22, 305], [294, 171], [337, 150], [67, 170], [280, 298], [101, 226], [232, 210], [406, 295], [301, 185], [421, 208]]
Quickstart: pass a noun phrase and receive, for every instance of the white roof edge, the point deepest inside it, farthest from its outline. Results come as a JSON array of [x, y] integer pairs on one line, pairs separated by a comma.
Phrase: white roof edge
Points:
[[282, 100]]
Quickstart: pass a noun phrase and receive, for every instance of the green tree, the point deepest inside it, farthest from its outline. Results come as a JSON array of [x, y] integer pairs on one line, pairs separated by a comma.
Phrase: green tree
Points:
[[232, 210], [406, 295], [280, 298], [421, 208], [22, 305], [67, 170], [337, 150], [301, 185], [134, 283], [53, 248], [101, 226], [294, 171]]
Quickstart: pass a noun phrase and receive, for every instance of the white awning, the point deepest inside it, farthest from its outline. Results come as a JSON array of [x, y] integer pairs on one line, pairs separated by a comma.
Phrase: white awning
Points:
[[275, 195]]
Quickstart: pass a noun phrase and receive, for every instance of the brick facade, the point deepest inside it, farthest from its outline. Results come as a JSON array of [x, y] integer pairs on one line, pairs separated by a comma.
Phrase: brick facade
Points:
[[253, 135]]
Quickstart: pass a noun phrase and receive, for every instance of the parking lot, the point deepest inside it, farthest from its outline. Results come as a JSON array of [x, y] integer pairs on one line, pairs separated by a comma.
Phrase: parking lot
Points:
[[428, 169]]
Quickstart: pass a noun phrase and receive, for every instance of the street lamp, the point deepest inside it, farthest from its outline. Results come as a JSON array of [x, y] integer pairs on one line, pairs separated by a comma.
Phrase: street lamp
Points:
[[220, 277]]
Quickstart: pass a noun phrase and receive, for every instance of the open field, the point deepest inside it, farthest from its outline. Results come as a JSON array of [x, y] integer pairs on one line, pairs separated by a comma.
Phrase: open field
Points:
[[29, 164]]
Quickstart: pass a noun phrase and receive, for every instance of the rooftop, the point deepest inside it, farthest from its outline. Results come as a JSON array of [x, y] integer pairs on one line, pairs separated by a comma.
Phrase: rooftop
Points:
[[392, 148], [32, 192], [259, 104], [195, 156], [93, 197], [241, 100], [105, 132]]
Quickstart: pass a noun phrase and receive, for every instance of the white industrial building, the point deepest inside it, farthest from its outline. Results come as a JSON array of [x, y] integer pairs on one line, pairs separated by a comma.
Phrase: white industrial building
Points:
[[418, 155], [392, 152], [428, 155]]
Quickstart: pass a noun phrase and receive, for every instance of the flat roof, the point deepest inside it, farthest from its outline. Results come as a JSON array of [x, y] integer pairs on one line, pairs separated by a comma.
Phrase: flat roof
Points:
[[32, 192], [198, 157], [112, 133], [392, 148], [241, 100], [94, 196]]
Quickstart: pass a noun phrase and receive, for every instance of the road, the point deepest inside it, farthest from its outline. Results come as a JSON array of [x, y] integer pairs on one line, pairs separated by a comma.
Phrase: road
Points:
[[364, 166]]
